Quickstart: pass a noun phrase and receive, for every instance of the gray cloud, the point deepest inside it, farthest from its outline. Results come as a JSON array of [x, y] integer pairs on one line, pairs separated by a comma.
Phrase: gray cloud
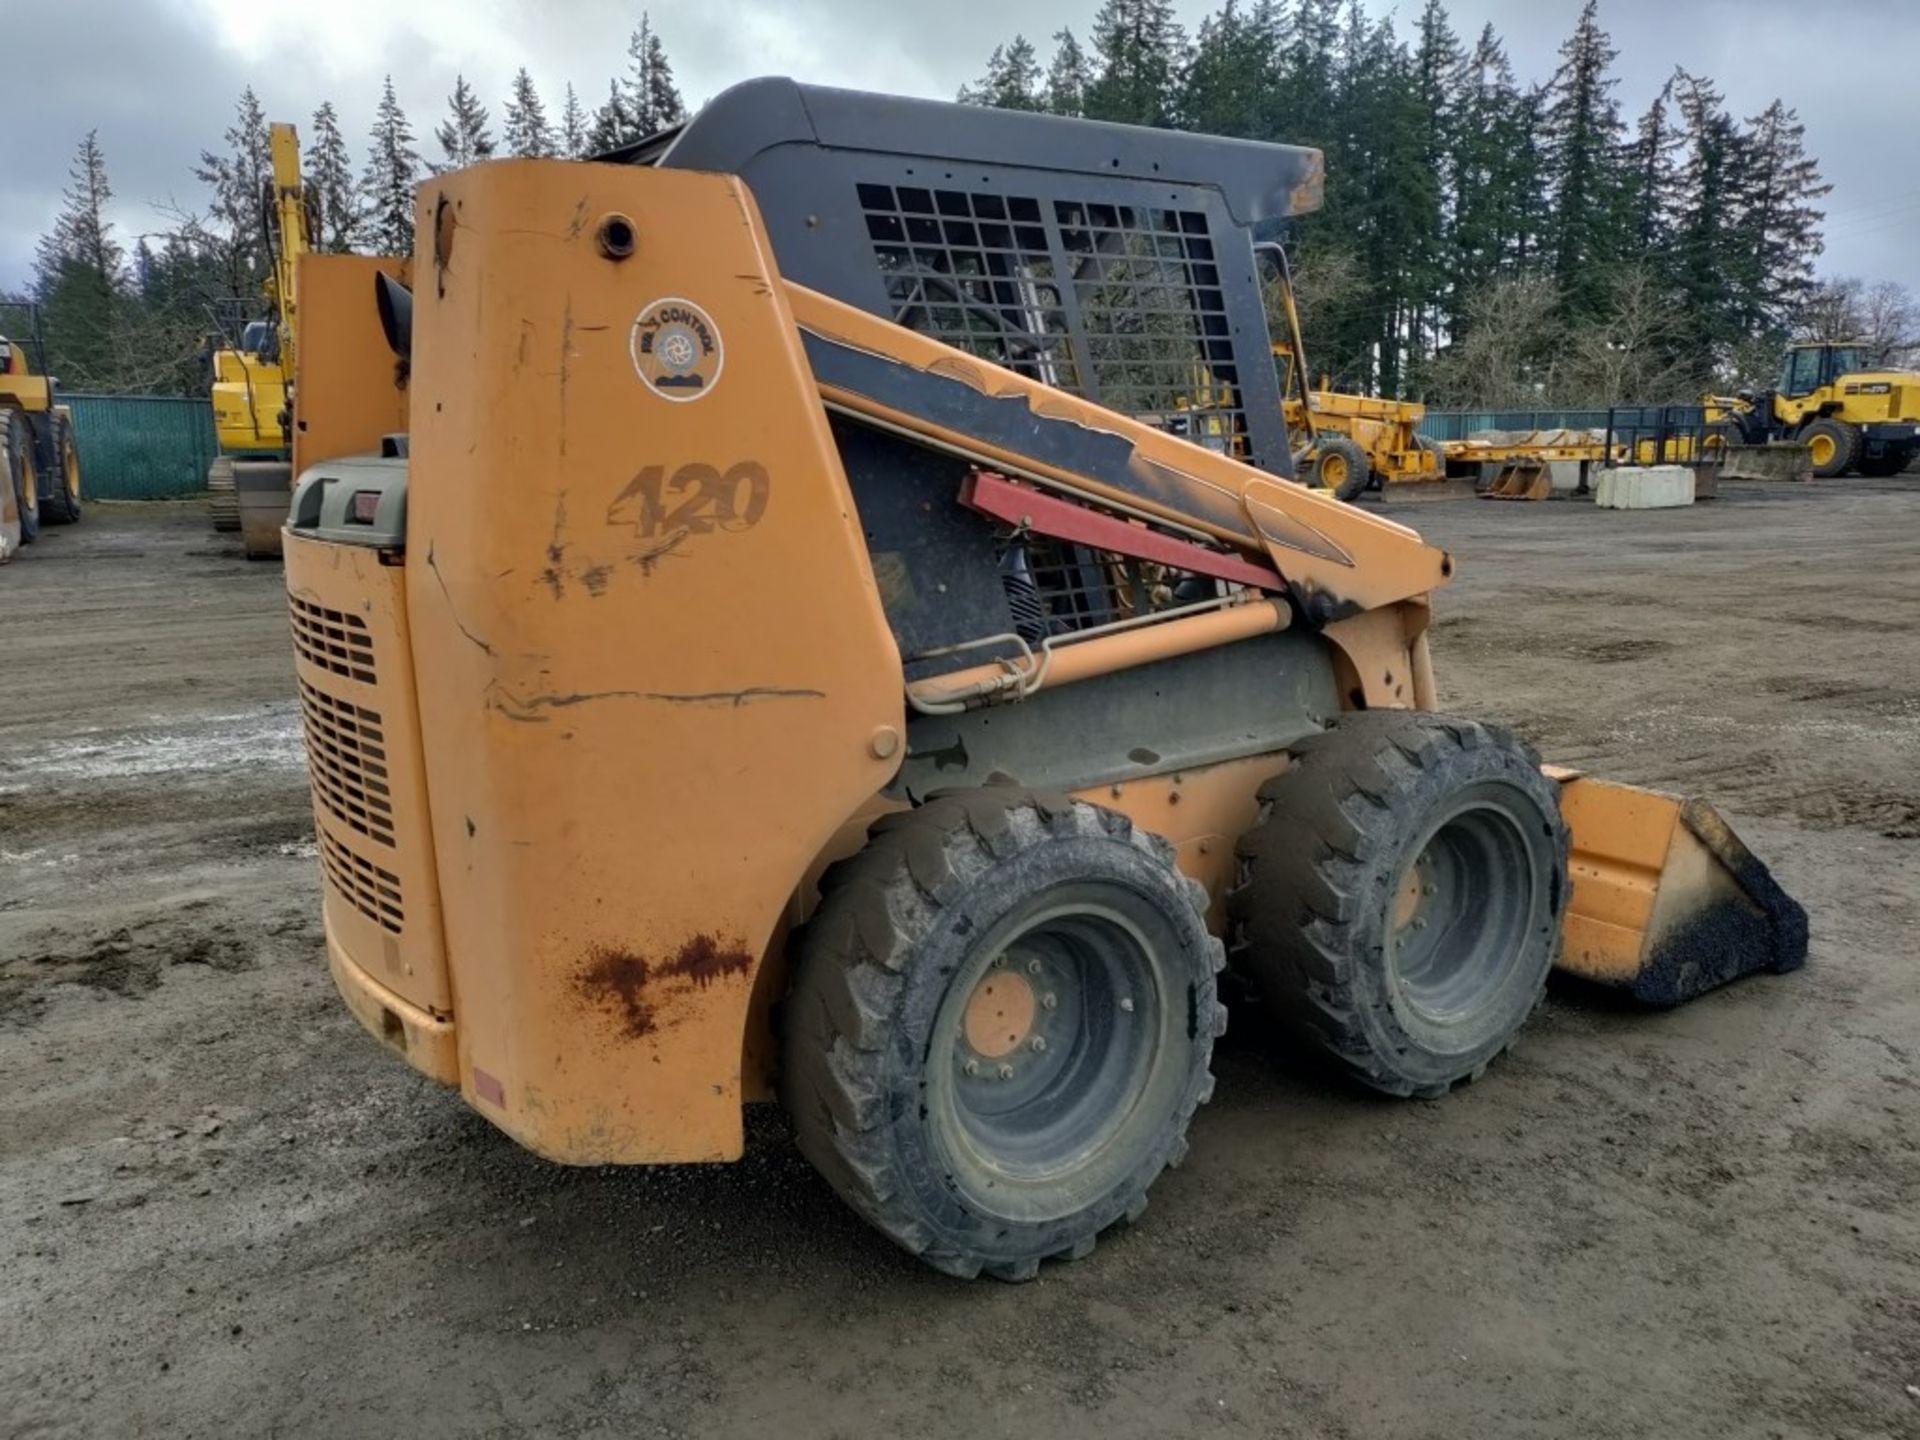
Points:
[[158, 77]]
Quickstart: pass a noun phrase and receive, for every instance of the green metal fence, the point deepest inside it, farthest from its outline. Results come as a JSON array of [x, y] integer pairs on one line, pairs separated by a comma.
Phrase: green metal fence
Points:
[[1460, 424], [142, 447]]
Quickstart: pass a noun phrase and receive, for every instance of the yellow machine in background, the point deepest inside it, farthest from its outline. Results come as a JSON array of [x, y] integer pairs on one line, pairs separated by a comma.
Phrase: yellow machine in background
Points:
[[247, 484], [1852, 418], [39, 461], [1342, 443], [1360, 439]]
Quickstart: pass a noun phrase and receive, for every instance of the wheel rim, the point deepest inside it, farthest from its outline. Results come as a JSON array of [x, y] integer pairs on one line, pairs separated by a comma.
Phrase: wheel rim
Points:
[[1333, 470], [1046, 1051], [1463, 908], [1821, 449], [73, 474]]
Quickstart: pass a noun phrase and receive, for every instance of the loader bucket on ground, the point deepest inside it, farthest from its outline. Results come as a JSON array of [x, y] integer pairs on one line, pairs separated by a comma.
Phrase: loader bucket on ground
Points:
[[1785, 460], [1520, 480], [1667, 902]]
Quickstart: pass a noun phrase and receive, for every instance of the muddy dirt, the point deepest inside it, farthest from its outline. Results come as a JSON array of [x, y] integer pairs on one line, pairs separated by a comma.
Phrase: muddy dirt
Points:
[[225, 1211]]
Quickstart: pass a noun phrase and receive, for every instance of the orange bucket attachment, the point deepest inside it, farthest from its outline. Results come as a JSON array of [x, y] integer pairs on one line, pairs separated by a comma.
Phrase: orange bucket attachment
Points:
[[1667, 901]]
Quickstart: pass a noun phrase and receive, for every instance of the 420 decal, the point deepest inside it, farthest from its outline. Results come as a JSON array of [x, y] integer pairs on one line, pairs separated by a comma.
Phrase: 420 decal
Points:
[[696, 499]]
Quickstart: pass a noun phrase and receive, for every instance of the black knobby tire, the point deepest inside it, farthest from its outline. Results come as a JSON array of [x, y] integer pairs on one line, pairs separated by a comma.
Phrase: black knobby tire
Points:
[[1846, 446], [1398, 901], [1891, 460], [1340, 465], [972, 1155], [62, 505], [24, 476]]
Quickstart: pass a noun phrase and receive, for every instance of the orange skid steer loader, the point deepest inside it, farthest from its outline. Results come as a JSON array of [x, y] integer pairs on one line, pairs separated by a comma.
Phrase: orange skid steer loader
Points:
[[757, 643]]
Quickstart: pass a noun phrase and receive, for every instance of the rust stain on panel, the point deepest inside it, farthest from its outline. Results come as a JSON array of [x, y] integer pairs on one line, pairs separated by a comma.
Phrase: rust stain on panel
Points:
[[615, 980], [704, 959], [641, 996]]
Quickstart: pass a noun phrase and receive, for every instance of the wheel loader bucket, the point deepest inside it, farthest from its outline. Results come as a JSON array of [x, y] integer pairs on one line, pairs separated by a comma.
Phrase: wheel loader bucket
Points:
[[1784, 460], [1520, 480], [1667, 902]]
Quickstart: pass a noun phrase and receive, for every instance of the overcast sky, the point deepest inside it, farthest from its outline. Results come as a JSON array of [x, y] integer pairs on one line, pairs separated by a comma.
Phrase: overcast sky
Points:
[[158, 78]]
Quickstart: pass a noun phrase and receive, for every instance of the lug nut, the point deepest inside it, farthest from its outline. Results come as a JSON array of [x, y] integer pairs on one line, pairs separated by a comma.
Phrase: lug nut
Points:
[[1050, 1000], [972, 1067], [1038, 1044], [1006, 1072], [1126, 1004], [1033, 967], [1429, 889]]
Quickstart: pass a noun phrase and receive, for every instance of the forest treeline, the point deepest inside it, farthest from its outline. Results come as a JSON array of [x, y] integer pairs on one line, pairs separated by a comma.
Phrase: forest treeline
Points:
[[1487, 239]]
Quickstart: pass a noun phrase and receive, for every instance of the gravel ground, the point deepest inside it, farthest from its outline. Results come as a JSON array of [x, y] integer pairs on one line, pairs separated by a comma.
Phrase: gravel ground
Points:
[[224, 1211]]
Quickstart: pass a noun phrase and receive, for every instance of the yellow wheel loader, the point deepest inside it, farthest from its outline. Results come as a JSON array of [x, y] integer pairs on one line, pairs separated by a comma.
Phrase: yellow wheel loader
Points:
[[1361, 442], [751, 647], [39, 458], [252, 367], [1853, 418]]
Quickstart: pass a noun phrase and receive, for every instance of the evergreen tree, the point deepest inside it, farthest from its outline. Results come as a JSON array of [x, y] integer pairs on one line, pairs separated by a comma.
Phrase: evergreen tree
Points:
[[1583, 142], [1489, 170], [653, 102], [330, 181], [1651, 184], [527, 132], [1012, 81], [393, 167], [464, 137], [1305, 114], [1779, 219], [1711, 276], [80, 274], [573, 127], [237, 179], [82, 236], [1068, 77], [1137, 45], [1230, 80], [1431, 183], [613, 123]]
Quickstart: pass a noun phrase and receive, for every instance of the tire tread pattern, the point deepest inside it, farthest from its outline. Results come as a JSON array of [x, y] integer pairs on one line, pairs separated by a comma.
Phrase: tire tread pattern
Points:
[[1312, 860], [852, 957]]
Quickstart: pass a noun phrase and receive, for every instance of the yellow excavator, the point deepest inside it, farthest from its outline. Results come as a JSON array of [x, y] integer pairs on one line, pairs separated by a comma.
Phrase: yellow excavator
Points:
[[248, 482], [1854, 417]]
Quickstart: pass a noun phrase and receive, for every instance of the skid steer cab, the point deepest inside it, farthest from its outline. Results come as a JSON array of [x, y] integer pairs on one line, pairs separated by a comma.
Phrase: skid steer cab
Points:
[[735, 688]]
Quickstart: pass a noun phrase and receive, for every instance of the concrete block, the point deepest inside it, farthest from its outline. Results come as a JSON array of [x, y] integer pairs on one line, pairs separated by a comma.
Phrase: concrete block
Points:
[[1565, 475], [1643, 487]]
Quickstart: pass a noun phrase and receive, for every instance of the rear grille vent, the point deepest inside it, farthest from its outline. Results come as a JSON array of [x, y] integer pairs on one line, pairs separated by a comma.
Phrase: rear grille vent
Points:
[[332, 639], [374, 892], [347, 759]]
